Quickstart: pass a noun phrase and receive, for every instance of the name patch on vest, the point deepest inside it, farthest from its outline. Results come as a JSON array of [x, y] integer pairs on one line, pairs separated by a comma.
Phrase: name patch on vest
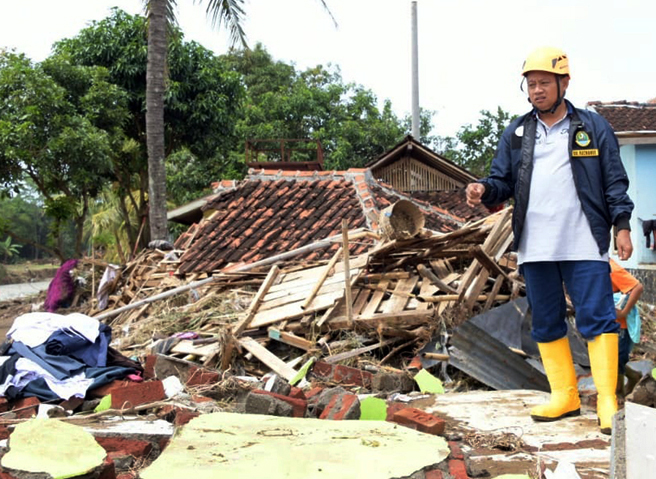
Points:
[[589, 152]]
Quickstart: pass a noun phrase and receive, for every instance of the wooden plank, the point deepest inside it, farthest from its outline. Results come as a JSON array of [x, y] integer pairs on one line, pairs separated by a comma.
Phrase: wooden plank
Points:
[[397, 302], [357, 352], [294, 310], [255, 303], [187, 347], [299, 297], [401, 319], [493, 293], [372, 306], [427, 274], [291, 339], [276, 364], [287, 288], [322, 278], [361, 297], [487, 262], [347, 276], [426, 289], [471, 296]]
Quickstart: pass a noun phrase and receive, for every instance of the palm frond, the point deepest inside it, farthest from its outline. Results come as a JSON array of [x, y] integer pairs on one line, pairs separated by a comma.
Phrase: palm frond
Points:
[[230, 14]]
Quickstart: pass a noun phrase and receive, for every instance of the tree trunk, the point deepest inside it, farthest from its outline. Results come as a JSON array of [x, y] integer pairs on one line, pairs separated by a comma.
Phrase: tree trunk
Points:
[[157, 49]]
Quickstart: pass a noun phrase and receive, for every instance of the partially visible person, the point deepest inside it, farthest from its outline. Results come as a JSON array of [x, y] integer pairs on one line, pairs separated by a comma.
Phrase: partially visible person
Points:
[[62, 288], [627, 290]]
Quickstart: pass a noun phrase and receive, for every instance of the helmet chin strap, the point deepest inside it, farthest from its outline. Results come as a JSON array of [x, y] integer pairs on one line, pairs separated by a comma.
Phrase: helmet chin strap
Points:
[[555, 106]]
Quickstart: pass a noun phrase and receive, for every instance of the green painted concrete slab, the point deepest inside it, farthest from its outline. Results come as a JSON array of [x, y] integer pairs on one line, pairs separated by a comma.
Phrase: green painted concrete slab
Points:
[[228, 445], [52, 447]]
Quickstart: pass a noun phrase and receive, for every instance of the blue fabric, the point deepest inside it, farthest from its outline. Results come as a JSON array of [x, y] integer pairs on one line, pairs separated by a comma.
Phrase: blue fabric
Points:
[[601, 181], [61, 367], [625, 347], [70, 343], [589, 287], [107, 374]]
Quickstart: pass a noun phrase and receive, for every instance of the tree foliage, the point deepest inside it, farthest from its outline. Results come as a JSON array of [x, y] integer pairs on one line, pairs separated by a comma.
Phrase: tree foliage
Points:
[[284, 103], [473, 148], [56, 130], [202, 103]]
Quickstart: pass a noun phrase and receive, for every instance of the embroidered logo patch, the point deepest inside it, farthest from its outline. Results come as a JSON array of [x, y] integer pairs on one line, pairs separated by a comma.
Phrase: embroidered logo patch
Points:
[[590, 152], [582, 139]]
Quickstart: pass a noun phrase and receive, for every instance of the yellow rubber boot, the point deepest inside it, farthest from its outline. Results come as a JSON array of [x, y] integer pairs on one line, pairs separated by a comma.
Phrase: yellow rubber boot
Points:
[[558, 364], [603, 362]]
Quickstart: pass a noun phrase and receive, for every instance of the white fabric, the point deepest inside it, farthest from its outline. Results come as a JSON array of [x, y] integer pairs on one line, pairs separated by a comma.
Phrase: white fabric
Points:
[[34, 329], [28, 371], [556, 229]]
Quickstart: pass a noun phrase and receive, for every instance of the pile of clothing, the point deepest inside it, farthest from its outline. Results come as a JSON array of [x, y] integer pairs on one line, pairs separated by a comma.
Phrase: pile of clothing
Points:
[[52, 356]]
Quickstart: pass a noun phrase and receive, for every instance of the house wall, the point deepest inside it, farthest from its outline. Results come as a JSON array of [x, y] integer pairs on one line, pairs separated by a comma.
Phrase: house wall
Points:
[[640, 164]]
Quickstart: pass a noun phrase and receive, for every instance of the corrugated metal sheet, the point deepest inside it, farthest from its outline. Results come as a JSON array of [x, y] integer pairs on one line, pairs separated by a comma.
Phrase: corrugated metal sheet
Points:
[[491, 362]]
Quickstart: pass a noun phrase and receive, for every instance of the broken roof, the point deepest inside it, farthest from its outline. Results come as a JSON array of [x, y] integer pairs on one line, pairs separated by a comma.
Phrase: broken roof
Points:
[[271, 212], [627, 117]]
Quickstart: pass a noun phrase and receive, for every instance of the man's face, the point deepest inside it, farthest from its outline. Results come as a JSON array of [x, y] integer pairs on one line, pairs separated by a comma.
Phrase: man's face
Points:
[[543, 89]]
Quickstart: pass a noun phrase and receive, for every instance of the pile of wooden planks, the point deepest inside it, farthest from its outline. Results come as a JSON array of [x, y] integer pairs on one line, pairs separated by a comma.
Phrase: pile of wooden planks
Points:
[[398, 292]]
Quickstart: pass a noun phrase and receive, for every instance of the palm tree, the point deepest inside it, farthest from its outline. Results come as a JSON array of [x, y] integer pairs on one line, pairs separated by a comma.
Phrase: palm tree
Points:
[[228, 13]]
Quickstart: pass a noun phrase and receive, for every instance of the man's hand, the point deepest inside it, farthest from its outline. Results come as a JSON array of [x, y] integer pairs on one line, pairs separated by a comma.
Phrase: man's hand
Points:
[[624, 245], [474, 193]]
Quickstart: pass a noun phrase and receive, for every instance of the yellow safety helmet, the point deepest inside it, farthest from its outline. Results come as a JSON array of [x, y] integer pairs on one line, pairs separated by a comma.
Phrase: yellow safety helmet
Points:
[[547, 59]]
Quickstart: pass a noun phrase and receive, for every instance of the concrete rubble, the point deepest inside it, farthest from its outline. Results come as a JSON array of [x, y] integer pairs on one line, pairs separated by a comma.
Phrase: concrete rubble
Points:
[[268, 372]]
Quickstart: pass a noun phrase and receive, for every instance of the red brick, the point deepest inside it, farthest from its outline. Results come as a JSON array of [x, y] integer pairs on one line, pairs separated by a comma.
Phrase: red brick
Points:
[[202, 377], [352, 376], [313, 393], [183, 416], [201, 399], [163, 443], [127, 475], [298, 405], [129, 447], [323, 370], [108, 470], [4, 404], [105, 389], [344, 406], [419, 420], [25, 408], [458, 469], [137, 393], [393, 408], [149, 367], [434, 474], [72, 403], [6, 475], [4, 433], [297, 393], [456, 452]]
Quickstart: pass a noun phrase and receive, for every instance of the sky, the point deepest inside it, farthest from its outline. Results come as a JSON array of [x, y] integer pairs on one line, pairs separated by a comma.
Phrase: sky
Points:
[[470, 51]]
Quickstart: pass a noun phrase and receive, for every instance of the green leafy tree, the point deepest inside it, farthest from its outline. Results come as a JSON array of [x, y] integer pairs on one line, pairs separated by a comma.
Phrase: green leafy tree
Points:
[[283, 103], [230, 14], [57, 122], [473, 148], [202, 103]]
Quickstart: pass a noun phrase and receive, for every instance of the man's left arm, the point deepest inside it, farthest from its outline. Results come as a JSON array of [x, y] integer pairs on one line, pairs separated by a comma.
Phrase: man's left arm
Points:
[[616, 185]]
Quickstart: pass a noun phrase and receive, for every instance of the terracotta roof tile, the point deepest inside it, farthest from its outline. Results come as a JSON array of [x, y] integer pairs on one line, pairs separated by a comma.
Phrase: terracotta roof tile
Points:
[[626, 116], [271, 212]]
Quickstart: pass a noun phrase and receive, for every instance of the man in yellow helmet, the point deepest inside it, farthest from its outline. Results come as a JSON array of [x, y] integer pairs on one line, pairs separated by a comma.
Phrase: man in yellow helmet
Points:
[[563, 169]]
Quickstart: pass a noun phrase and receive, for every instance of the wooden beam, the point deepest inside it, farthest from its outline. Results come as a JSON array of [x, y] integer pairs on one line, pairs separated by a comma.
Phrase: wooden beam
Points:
[[291, 339], [347, 270], [276, 364], [322, 278], [434, 280]]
